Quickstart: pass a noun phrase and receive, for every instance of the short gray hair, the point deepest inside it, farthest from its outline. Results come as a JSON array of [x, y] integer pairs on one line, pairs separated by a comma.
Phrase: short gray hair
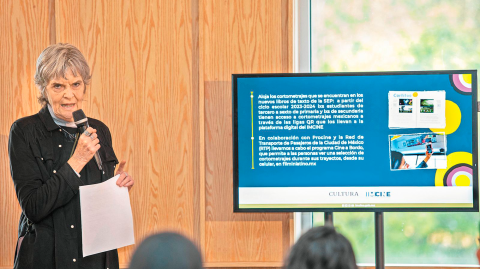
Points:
[[54, 62]]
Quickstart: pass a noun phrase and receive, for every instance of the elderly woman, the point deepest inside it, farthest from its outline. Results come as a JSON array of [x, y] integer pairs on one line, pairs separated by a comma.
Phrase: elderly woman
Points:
[[50, 160]]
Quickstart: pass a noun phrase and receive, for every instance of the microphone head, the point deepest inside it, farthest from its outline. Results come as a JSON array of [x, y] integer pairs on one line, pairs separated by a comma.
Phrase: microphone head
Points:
[[79, 117]]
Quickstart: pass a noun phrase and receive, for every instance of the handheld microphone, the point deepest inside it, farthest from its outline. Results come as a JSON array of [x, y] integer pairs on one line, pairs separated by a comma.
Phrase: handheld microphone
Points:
[[81, 121]]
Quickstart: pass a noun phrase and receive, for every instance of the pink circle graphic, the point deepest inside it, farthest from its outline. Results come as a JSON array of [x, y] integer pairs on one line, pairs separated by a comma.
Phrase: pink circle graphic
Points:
[[449, 176], [457, 84]]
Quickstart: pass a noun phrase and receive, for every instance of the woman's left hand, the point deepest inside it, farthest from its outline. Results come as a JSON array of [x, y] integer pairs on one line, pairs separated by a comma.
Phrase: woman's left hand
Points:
[[125, 180]]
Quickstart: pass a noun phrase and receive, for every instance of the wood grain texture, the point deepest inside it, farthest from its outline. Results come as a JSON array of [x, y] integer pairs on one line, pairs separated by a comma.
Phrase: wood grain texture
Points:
[[51, 22], [143, 88], [270, 265], [24, 31], [238, 37], [201, 117], [198, 119], [161, 82]]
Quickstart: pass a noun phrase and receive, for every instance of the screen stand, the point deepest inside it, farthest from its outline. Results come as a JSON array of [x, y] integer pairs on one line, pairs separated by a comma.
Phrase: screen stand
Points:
[[379, 237], [379, 241], [328, 218]]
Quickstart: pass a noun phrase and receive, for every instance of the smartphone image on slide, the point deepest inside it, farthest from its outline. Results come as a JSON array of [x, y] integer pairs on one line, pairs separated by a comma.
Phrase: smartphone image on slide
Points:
[[429, 148], [412, 151]]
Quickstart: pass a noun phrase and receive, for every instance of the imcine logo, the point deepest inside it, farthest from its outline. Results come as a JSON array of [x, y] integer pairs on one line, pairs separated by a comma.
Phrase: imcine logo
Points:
[[378, 194]]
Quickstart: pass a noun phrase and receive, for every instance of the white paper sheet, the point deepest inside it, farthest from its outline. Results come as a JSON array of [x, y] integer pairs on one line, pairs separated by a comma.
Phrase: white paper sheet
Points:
[[107, 221]]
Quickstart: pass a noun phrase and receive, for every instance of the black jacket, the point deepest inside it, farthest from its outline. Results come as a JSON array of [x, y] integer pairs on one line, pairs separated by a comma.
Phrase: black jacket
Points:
[[45, 188]]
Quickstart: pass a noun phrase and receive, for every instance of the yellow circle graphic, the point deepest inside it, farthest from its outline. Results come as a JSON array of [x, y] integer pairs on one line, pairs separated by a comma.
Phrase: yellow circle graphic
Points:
[[415, 94], [453, 159], [453, 117], [462, 180], [467, 78]]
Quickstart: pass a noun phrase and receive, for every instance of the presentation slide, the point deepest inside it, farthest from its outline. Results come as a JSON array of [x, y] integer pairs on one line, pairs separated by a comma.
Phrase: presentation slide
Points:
[[393, 141]]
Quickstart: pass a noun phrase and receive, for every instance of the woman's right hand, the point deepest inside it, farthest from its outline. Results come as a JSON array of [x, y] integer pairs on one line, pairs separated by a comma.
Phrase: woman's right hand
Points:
[[427, 156], [86, 148]]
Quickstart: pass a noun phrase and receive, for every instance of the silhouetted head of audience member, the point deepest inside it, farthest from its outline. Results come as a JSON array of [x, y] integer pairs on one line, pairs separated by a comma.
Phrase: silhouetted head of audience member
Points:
[[166, 250], [321, 248]]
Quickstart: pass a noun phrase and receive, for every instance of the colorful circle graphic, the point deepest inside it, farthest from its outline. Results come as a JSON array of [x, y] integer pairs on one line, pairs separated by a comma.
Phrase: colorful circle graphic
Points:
[[453, 118], [462, 83], [459, 175], [459, 171]]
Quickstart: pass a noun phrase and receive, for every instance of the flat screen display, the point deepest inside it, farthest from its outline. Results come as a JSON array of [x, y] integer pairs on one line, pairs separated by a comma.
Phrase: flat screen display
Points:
[[371, 141]]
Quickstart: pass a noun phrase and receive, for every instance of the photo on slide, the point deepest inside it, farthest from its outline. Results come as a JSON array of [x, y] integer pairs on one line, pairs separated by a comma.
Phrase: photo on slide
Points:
[[418, 151], [405, 105], [411, 109], [426, 105]]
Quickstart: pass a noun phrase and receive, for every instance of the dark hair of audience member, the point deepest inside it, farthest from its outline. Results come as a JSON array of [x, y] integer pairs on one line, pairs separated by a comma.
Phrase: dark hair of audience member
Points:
[[166, 250], [321, 248]]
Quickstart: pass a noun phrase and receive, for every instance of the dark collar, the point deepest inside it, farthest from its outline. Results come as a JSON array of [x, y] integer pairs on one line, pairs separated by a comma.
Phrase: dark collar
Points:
[[47, 119]]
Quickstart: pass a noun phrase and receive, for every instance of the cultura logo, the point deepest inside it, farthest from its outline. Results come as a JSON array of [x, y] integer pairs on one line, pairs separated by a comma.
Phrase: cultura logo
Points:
[[343, 193], [378, 194]]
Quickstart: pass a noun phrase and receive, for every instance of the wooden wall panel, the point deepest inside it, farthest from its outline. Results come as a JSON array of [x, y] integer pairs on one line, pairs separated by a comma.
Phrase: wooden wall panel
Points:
[[161, 82], [142, 88], [251, 266], [24, 31], [238, 37]]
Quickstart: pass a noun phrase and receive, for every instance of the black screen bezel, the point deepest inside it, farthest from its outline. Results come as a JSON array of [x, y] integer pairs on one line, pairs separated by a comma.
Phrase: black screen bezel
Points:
[[475, 207]]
